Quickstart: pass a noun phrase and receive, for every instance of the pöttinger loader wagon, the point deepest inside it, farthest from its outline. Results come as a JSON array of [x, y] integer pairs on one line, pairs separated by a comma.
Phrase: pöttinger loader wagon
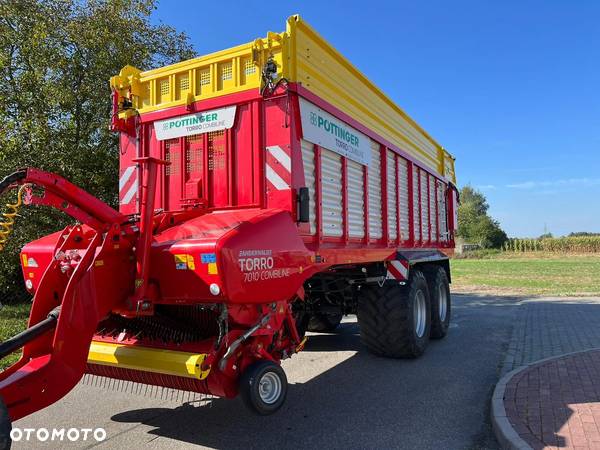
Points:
[[265, 190]]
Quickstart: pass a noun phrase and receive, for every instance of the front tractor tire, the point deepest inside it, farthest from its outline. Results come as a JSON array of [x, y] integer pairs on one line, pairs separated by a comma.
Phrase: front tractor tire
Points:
[[5, 427], [441, 305], [263, 387], [395, 320]]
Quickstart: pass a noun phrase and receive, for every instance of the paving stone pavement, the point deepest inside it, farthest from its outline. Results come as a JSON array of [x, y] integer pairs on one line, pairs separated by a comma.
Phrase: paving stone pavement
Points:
[[546, 327], [554, 403]]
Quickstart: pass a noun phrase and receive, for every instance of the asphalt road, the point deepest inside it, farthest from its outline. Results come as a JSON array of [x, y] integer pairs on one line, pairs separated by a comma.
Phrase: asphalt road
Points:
[[340, 396]]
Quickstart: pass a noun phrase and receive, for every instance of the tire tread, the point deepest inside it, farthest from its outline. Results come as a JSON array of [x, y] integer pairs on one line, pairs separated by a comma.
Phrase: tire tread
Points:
[[385, 318], [436, 275]]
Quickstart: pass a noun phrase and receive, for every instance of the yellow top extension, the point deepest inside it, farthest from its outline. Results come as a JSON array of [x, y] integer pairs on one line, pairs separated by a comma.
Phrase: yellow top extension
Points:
[[302, 56]]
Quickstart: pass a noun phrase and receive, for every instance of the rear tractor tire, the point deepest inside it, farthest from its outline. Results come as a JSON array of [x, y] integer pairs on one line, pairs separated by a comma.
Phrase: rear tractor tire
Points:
[[324, 323], [5, 427], [263, 387], [395, 320], [441, 304]]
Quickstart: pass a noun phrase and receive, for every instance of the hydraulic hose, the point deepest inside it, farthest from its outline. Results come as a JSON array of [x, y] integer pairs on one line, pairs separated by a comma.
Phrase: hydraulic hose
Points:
[[19, 341], [14, 177], [8, 217]]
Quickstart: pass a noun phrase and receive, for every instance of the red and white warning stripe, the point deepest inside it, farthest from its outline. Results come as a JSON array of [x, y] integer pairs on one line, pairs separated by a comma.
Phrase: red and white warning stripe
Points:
[[279, 167], [397, 270], [128, 185]]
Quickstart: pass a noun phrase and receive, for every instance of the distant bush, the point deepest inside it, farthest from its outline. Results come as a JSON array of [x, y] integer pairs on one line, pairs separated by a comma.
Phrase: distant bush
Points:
[[56, 57], [484, 253], [475, 226], [569, 244]]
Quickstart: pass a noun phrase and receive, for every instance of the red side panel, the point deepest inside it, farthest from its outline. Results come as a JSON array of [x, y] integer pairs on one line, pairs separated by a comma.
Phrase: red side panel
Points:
[[194, 190], [219, 148], [246, 142], [278, 152], [173, 192], [128, 175], [217, 169]]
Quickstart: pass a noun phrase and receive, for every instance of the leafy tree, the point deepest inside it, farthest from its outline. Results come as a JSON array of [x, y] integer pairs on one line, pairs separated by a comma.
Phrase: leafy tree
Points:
[[56, 58], [474, 224]]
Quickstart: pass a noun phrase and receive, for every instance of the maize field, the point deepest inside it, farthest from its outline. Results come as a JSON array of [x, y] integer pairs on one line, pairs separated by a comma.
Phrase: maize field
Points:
[[579, 244]]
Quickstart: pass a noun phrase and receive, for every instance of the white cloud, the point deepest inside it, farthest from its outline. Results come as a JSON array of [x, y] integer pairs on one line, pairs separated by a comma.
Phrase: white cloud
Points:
[[525, 185], [486, 187], [583, 182], [531, 169]]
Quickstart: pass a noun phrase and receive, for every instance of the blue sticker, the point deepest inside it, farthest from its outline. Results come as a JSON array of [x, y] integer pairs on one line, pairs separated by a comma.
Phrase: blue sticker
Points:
[[208, 258]]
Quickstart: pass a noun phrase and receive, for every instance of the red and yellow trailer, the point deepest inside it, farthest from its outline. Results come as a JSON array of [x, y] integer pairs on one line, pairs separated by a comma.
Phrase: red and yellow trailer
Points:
[[264, 190]]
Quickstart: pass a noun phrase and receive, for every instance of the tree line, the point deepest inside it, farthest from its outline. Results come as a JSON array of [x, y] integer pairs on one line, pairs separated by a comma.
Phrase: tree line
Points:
[[56, 59], [475, 226]]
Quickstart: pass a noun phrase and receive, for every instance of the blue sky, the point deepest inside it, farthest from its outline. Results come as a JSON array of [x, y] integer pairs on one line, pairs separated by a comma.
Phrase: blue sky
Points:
[[511, 88]]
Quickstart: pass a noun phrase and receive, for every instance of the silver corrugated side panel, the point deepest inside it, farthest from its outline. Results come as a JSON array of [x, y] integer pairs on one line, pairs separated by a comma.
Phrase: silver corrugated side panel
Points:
[[432, 184], [442, 210], [356, 199], [416, 211], [424, 207], [403, 188], [308, 160], [375, 216], [392, 195], [331, 188]]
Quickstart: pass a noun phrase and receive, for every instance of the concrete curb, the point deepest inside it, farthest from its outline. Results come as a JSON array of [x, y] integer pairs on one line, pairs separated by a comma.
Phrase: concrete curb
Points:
[[508, 438]]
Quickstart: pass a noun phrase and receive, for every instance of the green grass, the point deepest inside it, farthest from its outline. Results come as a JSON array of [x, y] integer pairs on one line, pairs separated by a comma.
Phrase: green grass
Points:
[[539, 274], [13, 320]]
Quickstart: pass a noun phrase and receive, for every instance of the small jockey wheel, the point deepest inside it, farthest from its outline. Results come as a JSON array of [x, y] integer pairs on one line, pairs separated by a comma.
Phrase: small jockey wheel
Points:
[[263, 387]]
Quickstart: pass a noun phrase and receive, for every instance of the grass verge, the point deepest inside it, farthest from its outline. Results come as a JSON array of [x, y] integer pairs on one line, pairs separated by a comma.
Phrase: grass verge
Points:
[[542, 274]]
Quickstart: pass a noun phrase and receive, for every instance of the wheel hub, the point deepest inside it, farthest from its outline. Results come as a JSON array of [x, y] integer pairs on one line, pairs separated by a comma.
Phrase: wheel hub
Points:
[[269, 388], [443, 302], [420, 313]]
